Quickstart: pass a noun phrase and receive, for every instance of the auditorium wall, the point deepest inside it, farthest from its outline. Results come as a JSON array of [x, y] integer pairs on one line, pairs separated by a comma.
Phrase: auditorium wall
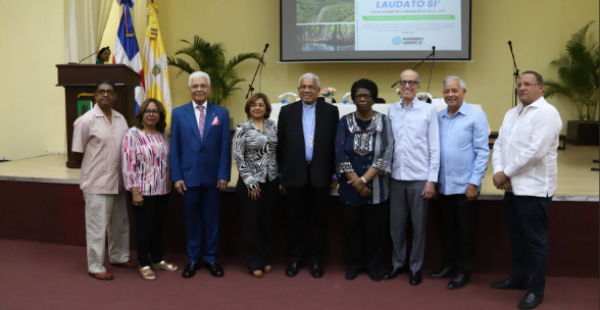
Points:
[[32, 120], [33, 42]]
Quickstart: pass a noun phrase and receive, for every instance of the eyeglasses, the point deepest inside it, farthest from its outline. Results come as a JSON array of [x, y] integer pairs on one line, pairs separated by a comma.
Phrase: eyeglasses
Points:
[[527, 85], [201, 86], [102, 92], [410, 83], [257, 105], [309, 87], [151, 112], [365, 96]]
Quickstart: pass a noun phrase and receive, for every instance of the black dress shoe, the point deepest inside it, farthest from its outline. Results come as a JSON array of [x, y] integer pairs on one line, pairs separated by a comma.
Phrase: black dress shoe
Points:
[[460, 281], [447, 272], [215, 269], [190, 270], [511, 284], [292, 269], [317, 271], [394, 273], [351, 273], [530, 301], [415, 278], [375, 275]]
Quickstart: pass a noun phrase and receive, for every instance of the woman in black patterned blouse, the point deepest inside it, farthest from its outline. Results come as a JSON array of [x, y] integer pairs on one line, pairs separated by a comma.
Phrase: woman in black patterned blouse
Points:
[[257, 188], [364, 147]]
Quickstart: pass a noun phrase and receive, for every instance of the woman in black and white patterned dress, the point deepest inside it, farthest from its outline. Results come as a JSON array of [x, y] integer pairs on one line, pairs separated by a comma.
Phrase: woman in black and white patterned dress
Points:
[[254, 145]]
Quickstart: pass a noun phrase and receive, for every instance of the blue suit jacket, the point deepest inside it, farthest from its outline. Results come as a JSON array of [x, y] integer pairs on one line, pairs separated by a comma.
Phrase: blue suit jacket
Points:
[[200, 161]]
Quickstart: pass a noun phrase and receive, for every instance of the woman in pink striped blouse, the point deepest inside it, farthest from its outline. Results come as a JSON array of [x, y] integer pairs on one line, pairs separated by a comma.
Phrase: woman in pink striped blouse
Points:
[[146, 174]]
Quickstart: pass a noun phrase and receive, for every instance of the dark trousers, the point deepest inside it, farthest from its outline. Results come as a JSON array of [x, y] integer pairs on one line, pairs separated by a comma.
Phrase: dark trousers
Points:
[[306, 209], [365, 231], [202, 218], [149, 224], [459, 223], [257, 227], [527, 225]]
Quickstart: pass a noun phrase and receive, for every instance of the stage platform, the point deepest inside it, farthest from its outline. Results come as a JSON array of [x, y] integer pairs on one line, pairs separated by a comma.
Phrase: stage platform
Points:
[[40, 201], [576, 181]]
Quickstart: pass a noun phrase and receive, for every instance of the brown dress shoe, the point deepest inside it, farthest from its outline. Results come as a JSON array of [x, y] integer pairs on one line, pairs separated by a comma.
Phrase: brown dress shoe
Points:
[[102, 276], [127, 264]]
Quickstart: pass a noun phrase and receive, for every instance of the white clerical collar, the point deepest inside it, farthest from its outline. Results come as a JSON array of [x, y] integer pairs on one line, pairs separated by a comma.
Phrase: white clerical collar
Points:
[[309, 106]]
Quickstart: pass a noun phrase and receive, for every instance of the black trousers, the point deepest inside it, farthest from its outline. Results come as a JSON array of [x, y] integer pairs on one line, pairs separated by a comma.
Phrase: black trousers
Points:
[[527, 225], [149, 224], [257, 227], [365, 231], [459, 224], [306, 209]]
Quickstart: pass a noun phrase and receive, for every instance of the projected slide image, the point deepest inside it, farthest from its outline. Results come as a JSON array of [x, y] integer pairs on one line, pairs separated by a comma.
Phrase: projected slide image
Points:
[[374, 30], [325, 25], [408, 25]]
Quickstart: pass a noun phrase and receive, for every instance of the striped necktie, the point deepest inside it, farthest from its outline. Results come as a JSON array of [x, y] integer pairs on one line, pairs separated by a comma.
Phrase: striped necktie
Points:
[[201, 120]]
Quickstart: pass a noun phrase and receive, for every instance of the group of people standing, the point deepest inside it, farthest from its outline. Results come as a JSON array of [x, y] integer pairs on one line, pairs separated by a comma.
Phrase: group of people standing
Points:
[[114, 158], [388, 168]]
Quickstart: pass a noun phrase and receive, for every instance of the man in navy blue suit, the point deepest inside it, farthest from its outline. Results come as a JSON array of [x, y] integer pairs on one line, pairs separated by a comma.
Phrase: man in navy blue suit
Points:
[[200, 168]]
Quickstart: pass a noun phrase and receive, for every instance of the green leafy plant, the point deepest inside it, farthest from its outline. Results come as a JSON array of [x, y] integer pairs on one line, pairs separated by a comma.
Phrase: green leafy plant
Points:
[[307, 11], [339, 13], [210, 58], [578, 71]]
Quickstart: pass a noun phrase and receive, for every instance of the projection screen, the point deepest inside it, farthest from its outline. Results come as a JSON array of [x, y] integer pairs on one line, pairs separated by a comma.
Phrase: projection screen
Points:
[[368, 30]]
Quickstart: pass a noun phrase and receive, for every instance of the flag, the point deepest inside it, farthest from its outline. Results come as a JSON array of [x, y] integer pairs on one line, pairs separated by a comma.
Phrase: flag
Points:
[[127, 50], [156, 68]]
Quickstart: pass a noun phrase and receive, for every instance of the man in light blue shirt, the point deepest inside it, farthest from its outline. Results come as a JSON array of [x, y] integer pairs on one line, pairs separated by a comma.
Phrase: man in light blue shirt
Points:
[[464, 150], [415, 169]]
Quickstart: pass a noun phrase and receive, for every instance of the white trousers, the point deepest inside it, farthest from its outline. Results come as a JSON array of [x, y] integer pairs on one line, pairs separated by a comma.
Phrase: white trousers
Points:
[[106, 214]]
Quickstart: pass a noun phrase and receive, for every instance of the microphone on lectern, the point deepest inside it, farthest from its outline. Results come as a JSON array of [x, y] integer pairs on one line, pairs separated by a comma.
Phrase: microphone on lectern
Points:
[[94, 53]]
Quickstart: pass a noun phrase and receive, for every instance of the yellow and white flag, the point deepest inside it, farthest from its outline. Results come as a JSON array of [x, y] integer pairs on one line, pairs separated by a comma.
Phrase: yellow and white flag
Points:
[[156, 68]]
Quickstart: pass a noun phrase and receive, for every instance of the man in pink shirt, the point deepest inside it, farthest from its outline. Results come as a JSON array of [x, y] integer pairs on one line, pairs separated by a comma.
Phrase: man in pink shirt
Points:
[[97, 136]]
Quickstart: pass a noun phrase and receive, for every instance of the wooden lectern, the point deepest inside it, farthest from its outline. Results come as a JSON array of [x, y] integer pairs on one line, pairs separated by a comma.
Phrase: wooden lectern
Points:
[[80, 82]]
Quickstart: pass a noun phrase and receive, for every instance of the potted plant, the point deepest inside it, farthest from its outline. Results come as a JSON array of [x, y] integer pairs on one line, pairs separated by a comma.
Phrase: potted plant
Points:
[[210, 58], [578, 72]]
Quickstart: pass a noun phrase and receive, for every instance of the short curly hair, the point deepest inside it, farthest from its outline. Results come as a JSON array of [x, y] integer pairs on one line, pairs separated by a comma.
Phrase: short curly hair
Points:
[[253, 99], [366, 84]]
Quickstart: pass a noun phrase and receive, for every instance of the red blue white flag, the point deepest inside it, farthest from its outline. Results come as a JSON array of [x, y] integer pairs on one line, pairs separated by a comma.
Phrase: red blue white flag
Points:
[[127, 50]]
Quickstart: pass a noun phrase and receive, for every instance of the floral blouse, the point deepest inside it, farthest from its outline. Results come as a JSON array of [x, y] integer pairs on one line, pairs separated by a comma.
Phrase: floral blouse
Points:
[[254, 152], [145, 162], [358, 148]]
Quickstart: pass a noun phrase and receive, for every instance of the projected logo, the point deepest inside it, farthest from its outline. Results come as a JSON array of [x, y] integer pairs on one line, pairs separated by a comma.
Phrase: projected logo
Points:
[[412, 41], [396, 40]]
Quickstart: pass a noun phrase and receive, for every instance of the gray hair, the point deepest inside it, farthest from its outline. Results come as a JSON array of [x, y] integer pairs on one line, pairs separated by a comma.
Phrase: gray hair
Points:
[[463, 86], [311, 76], [198, 74], [418, 80]]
